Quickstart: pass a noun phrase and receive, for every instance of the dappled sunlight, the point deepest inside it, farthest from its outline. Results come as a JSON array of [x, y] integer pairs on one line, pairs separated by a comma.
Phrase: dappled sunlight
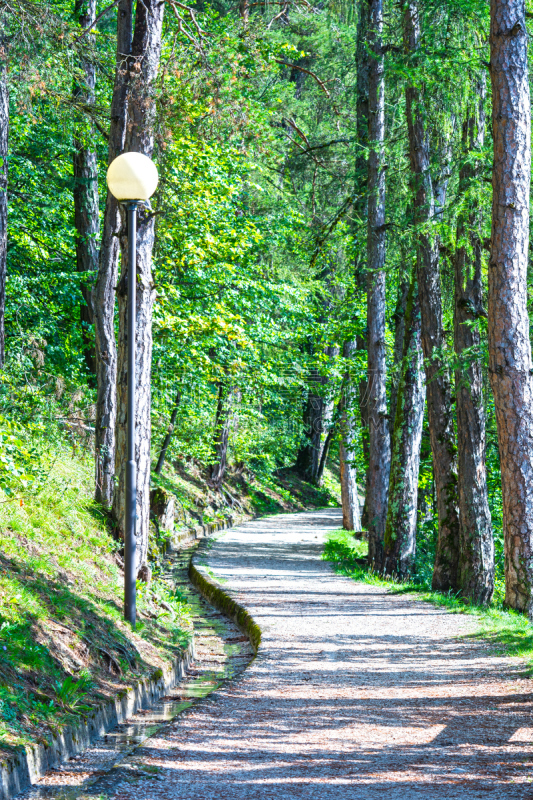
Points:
[[353, 687]]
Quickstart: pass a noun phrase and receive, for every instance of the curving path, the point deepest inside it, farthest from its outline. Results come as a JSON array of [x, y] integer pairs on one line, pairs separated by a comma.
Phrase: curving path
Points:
[[355, 694]]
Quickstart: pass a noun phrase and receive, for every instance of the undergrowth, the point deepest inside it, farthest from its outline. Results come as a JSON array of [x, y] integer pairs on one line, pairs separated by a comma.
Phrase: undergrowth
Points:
[[64, 647], [509, 632]]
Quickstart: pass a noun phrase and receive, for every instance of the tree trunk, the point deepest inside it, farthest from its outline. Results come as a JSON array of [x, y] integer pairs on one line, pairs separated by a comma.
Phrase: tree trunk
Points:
[[351, 518], [476, 575], [104, 291], [168, 435], [363, 61], [399, 335], [308, 458], [361, 179], [324, 454], [400, 531], [439, 395], [4, 132], [510, 365], [143, 66], [86, 210], [379, 438], [223, 415]]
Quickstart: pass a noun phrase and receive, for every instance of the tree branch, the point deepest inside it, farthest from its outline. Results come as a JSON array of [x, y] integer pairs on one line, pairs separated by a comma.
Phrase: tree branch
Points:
[[87, 30], [307, 72]]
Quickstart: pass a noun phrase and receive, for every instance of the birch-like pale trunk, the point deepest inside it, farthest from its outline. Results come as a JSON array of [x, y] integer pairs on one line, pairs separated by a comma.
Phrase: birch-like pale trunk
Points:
[[476, 573], [104, 290], [438, 382], [351, 516], [400, 530], [377, 485], [510, 364], [85, 194], [143, 67]]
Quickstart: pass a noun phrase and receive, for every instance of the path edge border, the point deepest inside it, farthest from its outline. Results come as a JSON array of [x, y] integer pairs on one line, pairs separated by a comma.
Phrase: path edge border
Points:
[[28, 765], [223, 602]]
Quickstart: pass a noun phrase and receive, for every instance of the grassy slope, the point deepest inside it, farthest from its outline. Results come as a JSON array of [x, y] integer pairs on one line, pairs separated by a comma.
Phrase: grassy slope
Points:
[[509, 632], [243, 493], [63, 645]]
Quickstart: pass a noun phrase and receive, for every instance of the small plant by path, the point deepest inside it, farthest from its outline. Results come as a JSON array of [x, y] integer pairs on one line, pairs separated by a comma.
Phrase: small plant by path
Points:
[[510, 632]]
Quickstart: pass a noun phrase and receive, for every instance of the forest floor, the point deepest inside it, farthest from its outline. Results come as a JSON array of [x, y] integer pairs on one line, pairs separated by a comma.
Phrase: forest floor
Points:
[[356, 692]]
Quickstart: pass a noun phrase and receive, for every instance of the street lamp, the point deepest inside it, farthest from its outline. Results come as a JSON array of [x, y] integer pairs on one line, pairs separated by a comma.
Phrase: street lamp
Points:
[[132, 179]]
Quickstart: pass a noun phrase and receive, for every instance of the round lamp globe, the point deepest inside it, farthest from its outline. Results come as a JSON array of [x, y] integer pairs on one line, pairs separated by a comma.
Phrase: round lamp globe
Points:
[[132, 176]]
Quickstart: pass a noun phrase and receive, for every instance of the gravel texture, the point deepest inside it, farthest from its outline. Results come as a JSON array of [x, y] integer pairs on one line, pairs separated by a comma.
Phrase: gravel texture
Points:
[[221, 653], [354, 694]]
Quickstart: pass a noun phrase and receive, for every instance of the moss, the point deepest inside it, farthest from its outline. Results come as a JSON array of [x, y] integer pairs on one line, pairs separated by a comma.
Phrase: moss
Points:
[[223, 602]]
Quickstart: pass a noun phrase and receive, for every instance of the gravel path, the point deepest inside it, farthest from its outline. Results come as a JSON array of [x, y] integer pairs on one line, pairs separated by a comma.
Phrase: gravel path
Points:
[[355, 693]]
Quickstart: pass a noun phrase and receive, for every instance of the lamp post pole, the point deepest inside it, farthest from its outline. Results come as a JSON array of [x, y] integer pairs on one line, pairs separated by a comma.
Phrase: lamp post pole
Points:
[[132, 179], [130, 566]]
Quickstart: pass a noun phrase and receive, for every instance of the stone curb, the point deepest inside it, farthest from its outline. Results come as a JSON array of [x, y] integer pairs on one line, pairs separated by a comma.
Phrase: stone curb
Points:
[[31, 762], [223, 602], [28, 765]]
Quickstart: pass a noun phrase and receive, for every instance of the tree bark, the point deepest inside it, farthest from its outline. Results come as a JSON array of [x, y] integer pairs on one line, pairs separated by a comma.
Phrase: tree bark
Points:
[[168, 435], [400, 531], [438, 383], [104, 291], [4, 136], [379, 437], [143, 66], [308, 458], [476, 574], [217, 471], [351, 517], [86, 210], [399, 335], [363, 62], [510, 365], [361, 180]]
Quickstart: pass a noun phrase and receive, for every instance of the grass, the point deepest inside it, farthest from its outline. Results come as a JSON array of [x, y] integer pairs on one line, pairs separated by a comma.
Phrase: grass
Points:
[[243, 492], [509, 632], [64, 648]]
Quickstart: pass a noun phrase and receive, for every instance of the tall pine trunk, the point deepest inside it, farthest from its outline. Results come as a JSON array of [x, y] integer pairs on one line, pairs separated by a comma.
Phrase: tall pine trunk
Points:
[[510, 364], [476, 575], [104, 290], [361, 180], [86, 211], [351, 517], [438, 383], [143, 66], [378, 425], [399, 335], [400, 531]]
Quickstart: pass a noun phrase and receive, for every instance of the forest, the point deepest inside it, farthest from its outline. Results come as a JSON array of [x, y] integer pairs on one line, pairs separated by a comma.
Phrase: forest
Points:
[[335, 268]]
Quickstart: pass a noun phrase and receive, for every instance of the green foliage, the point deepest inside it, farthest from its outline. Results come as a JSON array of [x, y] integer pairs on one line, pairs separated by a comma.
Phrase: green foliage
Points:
[[61, 627], [70, 692], [260, 272]]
